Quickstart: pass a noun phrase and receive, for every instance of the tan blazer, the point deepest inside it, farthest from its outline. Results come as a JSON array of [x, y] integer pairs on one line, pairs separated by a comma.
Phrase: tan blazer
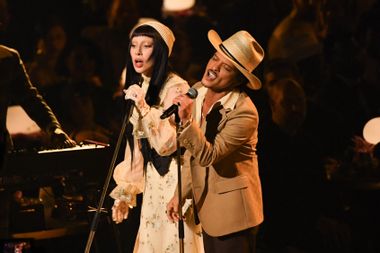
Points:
[[224, 175]]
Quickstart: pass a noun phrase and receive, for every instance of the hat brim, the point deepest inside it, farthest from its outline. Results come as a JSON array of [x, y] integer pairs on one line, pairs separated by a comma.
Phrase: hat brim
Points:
[[254, 83]]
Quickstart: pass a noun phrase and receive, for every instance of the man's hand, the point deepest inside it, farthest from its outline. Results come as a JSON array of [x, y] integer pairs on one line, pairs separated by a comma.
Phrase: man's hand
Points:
[[59, 139], [185, 107], [172, 209]]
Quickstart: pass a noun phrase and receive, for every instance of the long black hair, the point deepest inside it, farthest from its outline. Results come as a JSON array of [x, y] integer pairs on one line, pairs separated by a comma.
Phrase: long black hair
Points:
[[160, 73], [161, 67]]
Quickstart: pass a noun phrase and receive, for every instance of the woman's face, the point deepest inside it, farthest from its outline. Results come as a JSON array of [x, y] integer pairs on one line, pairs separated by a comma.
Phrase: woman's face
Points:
[[141, 53]]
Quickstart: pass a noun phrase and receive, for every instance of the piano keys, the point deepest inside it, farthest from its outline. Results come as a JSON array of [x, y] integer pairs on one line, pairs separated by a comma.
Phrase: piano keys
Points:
[[92, 160]]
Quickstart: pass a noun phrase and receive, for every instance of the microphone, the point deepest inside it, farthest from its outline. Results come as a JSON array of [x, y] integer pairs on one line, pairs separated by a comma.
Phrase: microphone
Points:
[[191, 93]]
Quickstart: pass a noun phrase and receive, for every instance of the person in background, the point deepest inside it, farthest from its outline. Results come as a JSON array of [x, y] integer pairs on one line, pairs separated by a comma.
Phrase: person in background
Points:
[[81, 99], [220, 130], [44, 68], [16, 88], [296, 38], [149, 164]]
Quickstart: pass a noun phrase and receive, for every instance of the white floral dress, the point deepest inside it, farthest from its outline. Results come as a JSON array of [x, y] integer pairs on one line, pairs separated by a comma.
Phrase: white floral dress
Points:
[[156, 233]]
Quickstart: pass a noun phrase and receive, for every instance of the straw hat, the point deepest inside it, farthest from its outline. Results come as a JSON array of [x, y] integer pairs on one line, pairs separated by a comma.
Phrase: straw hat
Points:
[[244, 52], [165, 32]]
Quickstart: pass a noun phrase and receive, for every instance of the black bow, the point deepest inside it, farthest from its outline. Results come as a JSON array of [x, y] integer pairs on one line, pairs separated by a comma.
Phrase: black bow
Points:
[[161, 163]]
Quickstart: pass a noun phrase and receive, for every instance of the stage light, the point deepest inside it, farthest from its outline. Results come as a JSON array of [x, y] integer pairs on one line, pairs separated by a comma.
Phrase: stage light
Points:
[[371, 131]]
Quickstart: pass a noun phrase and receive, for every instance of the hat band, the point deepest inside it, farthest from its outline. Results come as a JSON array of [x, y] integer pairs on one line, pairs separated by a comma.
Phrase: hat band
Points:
[[224, 49]]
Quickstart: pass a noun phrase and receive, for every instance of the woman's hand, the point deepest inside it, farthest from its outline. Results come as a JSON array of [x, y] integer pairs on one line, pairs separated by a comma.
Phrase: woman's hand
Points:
[[137, 94], [120, 210]]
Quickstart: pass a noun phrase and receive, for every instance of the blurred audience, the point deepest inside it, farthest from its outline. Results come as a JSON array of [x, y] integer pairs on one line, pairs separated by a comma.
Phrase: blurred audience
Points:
[[296, 38], [292, 151], [111, 37], [43, 68], [81, 100]]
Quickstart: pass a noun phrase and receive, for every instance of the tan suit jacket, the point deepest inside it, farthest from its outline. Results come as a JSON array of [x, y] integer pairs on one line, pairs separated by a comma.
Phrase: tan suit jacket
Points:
[[224, 175]]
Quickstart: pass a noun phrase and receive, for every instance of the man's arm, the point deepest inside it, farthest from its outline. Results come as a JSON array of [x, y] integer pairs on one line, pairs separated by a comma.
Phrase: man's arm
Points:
[[24, 93]]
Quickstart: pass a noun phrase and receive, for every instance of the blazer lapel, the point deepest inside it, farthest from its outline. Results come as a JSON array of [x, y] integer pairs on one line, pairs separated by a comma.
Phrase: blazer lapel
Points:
[[213, 120], [224, 112]]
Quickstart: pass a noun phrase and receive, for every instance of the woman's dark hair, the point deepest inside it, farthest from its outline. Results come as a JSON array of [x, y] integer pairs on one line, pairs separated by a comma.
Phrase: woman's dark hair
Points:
[[160, 66], [160, 73]]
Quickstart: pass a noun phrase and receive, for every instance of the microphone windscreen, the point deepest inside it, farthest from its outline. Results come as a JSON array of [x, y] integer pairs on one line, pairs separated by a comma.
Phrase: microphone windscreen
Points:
[[192, 93]]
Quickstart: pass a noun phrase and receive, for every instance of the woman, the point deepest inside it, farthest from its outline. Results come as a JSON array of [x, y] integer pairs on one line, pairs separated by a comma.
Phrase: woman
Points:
[[149, 165]]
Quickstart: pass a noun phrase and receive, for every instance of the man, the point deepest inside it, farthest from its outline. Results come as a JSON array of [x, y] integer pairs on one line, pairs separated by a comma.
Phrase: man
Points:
[[16, 88], [220, 132]]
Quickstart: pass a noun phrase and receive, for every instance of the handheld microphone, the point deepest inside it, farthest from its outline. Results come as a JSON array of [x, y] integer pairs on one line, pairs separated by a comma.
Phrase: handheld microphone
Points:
[[191, 93]]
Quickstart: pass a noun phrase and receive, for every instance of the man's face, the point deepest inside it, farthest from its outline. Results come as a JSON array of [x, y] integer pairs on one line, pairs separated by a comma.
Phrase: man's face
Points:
[[220, 74]]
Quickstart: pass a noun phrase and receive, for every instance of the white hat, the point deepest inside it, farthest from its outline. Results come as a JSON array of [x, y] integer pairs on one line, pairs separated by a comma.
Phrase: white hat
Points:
[[243, 51], [165, 32]]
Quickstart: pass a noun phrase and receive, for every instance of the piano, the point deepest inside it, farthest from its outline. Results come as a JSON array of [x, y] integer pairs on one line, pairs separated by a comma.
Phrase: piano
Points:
[[91, 160]]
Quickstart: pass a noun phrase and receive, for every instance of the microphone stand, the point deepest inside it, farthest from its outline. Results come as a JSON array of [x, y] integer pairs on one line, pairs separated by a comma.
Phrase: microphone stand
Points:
[[95, 220], [181, 233]]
